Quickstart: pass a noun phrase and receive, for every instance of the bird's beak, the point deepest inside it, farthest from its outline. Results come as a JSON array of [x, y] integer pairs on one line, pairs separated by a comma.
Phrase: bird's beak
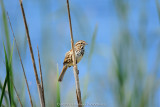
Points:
[[86, 43]]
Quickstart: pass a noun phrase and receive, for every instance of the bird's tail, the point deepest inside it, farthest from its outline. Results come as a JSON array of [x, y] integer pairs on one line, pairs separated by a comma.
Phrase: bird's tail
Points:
[[62, 73]]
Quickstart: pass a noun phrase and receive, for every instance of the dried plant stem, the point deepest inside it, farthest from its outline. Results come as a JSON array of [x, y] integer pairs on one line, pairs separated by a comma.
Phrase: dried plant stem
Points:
[[40, 68], [17, 94], [76, 72], [21, 62], [32, 57]]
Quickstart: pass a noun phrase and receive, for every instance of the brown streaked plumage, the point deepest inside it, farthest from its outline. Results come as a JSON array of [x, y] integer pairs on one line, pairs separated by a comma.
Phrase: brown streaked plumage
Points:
[[68, 62]]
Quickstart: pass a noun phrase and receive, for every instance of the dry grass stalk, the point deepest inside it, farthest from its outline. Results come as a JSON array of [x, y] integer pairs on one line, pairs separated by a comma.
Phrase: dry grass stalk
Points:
[[32, 57], [17, 94], [21, 62], [78, 92], [40, 68]]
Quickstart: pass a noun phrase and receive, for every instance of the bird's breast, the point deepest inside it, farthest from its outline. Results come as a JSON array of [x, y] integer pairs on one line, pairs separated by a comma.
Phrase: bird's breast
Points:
[[79, 55]]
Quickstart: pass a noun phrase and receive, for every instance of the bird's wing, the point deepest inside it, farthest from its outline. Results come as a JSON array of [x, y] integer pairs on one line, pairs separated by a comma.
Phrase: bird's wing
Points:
[[68, 58]]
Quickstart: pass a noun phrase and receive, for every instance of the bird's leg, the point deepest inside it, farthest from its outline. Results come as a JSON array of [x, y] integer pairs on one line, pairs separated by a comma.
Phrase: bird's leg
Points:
[[77, 71]]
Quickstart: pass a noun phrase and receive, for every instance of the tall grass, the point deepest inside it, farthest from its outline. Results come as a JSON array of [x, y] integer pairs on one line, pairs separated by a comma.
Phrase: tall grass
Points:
[[5, 94], [8, 80], [87, 76], [8, 58], [58, 98]]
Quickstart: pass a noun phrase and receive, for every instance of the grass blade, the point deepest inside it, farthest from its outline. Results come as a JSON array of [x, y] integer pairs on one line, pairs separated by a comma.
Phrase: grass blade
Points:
[[40, 69], [21, 64], [6, 27], [92, 44], [17, 94], [8, 52], [32, 56], [89, 61], [158, 8], [7, 72], [58, 89], [10, 78], [10, 60], [3, 91], [5, 96]]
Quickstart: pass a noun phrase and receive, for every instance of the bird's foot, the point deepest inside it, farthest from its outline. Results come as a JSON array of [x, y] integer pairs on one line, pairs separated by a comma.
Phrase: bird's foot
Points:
[[77, 71]]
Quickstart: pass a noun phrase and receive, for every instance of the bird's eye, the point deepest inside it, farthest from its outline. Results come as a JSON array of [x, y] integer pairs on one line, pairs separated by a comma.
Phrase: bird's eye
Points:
[[81, 43]]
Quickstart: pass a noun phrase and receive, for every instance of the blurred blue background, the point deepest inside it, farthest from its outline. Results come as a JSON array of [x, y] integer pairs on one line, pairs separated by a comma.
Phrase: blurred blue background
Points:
[[121, 62]]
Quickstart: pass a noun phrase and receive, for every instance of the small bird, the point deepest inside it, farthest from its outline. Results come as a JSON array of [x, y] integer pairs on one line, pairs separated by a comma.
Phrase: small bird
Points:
[[68, 61]]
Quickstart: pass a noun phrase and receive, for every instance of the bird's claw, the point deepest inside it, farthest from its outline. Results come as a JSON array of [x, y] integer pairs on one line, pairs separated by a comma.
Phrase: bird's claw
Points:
[[77, 71]]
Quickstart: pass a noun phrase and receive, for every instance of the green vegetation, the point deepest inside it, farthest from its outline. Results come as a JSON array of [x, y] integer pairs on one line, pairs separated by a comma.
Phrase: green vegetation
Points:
[[58, 89]]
